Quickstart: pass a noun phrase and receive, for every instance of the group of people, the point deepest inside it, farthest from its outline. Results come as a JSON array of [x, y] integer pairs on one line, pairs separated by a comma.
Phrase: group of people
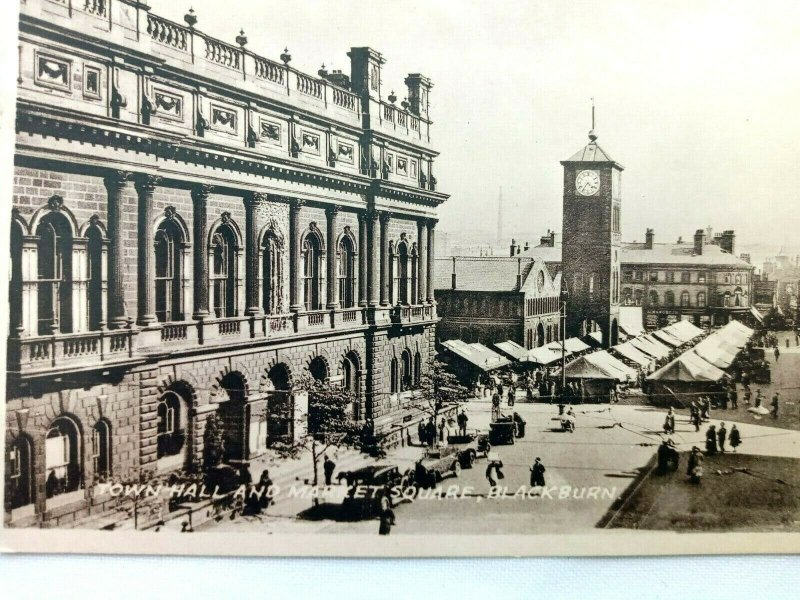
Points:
[[716, 438]]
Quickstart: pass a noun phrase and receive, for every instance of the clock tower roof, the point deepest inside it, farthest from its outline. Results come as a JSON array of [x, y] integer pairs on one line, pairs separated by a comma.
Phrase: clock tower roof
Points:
[[592, 153]]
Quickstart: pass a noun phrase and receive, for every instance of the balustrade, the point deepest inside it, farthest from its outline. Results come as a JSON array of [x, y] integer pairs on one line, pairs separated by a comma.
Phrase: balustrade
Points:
[[223, 54], [315, 319], [95, 7], [174, 332], [270, 71], [167, 33], [229, 327], [345, 99], [309, 85]]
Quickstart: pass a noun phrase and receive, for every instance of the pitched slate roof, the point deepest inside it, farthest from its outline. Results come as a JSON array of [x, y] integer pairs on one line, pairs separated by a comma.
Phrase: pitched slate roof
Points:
[[592, 152], [636, 253], [481, 273]]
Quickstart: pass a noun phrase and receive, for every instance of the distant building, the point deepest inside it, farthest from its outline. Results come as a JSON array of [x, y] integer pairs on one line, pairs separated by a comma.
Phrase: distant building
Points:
[[493, 299], [765, 294]]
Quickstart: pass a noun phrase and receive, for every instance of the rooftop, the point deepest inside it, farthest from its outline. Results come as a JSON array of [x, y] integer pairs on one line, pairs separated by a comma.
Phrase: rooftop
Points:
[[482, 273]]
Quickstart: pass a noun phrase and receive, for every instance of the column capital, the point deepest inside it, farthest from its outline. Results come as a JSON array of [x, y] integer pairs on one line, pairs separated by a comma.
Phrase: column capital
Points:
[[146, 182], [201, 191], [362, 216], [116, 180], [431, 223], [295, 204], [332, 210], [253, 199], [385, 216]]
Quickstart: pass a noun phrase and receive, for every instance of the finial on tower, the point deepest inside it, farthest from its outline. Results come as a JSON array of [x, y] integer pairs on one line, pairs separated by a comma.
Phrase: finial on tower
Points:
[[592, 134]]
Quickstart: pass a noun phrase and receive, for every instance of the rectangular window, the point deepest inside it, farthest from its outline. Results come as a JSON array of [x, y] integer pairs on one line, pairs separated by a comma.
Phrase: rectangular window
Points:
[[670, 276], [653, 275], [627, 276], [686, 277], [701, 277], [52, 72], [91, 82], [639, 275]]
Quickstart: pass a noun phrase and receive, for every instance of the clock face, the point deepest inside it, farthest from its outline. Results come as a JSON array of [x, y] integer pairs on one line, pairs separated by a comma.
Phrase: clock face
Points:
[[587, 183], [540, 281]]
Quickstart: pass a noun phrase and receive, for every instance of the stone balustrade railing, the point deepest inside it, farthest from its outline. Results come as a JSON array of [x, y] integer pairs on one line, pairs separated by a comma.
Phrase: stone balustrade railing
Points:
[[64, 350]]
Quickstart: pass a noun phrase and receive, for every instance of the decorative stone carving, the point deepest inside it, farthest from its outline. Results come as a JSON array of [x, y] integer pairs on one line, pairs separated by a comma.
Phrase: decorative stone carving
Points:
[[55, 202]]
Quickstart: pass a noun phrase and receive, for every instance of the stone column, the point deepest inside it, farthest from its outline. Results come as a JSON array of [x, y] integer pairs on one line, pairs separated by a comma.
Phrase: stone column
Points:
[[115, 185], [422, 264], [363, 253], [431, 256], [200, 194], [333, 281], [385, 218], [295, 299], [374, 253], [251, 203], [145, 284]]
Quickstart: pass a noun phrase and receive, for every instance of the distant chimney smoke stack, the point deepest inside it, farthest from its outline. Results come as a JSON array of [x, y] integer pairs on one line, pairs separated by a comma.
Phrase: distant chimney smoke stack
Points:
[[699, 241], [648, 239], [728, 241]]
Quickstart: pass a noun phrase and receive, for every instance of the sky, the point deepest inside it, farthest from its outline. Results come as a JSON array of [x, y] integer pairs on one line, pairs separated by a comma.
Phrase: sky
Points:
[[698, 100]]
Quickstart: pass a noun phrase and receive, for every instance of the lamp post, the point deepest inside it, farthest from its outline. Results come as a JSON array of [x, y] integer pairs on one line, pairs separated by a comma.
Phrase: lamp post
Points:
[[562, 313]]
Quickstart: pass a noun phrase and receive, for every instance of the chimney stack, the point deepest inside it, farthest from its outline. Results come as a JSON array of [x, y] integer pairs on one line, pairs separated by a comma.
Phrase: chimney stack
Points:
[[699, 241], [648, 239], [519, 273], [745, 257], [527, 246], [453, 276], [419, 90], [339, 79], [728, 241], [513, 247]]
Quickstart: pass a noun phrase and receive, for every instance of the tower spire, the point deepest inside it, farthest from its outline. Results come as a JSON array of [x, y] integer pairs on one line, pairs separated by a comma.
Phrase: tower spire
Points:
[[592, 134]]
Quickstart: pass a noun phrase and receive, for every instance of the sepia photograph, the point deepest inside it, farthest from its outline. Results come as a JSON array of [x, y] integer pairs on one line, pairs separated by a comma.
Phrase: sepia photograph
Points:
[[401, 278]]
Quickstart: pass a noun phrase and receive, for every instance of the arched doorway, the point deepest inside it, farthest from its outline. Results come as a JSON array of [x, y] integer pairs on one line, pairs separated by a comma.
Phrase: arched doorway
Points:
[[351, 380], [406, 376], [21, 490], [280, 411], [63, 464], [233, 417]]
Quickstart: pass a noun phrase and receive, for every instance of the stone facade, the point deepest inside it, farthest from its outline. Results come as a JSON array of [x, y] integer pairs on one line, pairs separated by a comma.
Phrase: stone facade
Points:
[[194, 228]]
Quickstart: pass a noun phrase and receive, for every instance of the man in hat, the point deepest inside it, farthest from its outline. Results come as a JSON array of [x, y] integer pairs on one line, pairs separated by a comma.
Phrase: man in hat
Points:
[[537, 473], [722, 435], [775, 400]]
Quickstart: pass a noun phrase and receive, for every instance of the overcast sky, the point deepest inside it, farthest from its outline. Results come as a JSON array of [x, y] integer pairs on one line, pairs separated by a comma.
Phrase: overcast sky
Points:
[[698, 100]]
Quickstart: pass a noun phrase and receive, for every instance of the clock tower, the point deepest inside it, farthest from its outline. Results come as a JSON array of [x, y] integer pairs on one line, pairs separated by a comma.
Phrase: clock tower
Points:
[[591, 241]]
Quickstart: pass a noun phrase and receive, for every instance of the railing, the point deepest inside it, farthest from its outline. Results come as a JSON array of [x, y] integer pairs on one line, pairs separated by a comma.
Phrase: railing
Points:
[[174, 333], [408, 314], [270, 71], [402, 119], [68, 350], [315, 319], [350, 316], [223, 54], [96, 7], [167, 33], [229, 327], [309, 85], [345, 99], [388, 112]]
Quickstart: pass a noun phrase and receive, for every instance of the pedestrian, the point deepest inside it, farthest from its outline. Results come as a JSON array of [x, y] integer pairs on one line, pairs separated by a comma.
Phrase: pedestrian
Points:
[[430, 432], [787, 342], [734, 398], [442, 427], [775, 400], [759, 398], [722, 434], [747, 394], [462, 422], [537, 473], [328, 466], [669, 422], [735, 438], [494, 466], [245, 478], [387, 520], [495, 406], [796, 339], [711, 440], [500, 389], [695, 416], [694, 468], [667, 457], [421, 433], [777, 353], [512, 393]]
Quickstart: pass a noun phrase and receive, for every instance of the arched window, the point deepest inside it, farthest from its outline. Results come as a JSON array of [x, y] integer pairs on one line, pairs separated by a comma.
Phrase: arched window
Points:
[[737, 295], [653, 298], [312, 269], [224, 274], [63, 466], [417, 369], [591, 283], [54, 262], [318, 369], [272, 273], [279, 405], [684, 299], [540, 335], [95, 256], [347, 273], [577, 282], [669, 298], [701, 298], [101, 449], [394, 376], [738, 279], [169, 271], [21, 490], [15, 284], [171, 427], [407, 376]]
